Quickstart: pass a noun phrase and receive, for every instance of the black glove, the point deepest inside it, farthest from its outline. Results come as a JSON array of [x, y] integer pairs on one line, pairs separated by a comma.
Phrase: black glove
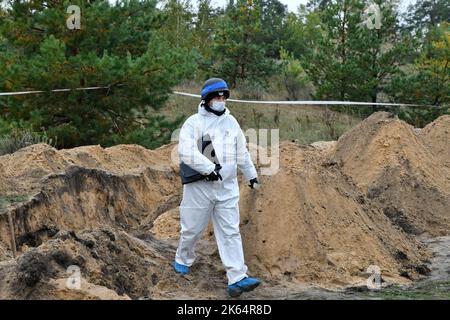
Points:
[[253, 182], [215, 175]]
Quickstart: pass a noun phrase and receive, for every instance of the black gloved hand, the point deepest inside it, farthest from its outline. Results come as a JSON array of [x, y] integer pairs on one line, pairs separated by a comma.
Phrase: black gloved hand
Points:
[[215, 175], [253, 182]]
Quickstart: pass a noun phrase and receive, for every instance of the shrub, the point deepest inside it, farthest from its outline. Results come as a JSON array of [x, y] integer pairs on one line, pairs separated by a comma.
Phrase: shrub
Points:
[[19, 138]]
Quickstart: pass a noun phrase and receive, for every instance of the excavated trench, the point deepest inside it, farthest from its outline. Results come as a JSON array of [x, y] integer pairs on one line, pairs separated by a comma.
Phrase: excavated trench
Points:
[[331, 211]]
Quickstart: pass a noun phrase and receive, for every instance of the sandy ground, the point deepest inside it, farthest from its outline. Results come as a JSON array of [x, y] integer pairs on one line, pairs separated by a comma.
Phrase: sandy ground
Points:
[[332, 210]]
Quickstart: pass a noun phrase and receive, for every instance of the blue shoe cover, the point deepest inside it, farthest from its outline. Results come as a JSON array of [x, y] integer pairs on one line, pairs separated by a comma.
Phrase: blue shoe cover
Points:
[[244, 285], [180, 268]]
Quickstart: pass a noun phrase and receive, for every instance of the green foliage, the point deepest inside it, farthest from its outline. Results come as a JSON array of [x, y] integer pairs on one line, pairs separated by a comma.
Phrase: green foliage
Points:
[[237, 55], [272, 16], [178, 23], [294, 77], [318, 4], [424, 15], [118, 47], [344, 58], [203, 35], [6, 127], [250, 90], [295, 35], [139, 52], [419, 117], [20, 138], [6, 201], [428, 82]]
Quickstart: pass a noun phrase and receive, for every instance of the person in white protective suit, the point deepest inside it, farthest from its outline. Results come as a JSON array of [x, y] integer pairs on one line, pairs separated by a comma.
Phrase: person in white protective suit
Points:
[[210, 186]]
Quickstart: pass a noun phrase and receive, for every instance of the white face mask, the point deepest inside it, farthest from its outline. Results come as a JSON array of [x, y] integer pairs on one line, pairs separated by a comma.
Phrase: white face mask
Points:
[[218, 106]]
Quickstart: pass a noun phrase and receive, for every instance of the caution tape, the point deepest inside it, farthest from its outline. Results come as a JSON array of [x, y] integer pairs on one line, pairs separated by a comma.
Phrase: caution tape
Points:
[[311, 102], [54, 90], [345, 103]]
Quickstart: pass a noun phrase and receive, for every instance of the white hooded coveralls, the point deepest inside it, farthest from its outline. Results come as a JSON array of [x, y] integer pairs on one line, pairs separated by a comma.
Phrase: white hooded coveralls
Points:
[[218, 200]]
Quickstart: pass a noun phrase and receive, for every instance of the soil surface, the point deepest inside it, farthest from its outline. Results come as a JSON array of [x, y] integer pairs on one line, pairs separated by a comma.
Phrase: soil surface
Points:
[[377, 196]]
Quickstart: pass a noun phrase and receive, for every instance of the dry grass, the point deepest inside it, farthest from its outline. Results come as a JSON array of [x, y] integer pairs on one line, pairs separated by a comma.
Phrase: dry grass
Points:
[[305, 124]]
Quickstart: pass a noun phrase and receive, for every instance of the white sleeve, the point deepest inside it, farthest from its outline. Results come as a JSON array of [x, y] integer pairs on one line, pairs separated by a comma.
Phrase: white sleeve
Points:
[[244, 160], [189, 152]]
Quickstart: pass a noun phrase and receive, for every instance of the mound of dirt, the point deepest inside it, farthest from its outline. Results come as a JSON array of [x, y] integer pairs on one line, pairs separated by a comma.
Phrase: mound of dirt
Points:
[[40, 160], [113, 265], [315, 226], [401, 170], [437, 136], [167, 226], [331, 210]]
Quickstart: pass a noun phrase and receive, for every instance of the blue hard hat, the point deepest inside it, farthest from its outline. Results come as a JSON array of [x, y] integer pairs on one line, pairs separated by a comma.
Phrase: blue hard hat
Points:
[[214, 87]]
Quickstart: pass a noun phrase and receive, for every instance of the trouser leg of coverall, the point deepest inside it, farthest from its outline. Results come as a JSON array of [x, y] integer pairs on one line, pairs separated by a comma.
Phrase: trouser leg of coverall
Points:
[[226, 230], [195, 212]]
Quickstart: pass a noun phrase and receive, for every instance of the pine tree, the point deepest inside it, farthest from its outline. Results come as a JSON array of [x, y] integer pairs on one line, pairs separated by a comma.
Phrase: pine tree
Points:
[[273, 15], [380, 51], [318, 4], [424, 15], [205, 26], [293, 75], [346, 59], [296, 38], [238, 57], [118, 46], [329, 59], [178, 25], [428, 82]]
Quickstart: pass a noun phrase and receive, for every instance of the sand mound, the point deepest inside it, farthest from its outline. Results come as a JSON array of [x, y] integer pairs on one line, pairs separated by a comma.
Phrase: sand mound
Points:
[[113, 265], [40, 160], [437, 136], [167, 226], [315, 226], [332, 210], [398, 169]]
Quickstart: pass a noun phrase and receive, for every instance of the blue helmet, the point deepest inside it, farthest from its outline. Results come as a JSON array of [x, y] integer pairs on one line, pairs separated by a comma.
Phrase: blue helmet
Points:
[[214, 87]]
